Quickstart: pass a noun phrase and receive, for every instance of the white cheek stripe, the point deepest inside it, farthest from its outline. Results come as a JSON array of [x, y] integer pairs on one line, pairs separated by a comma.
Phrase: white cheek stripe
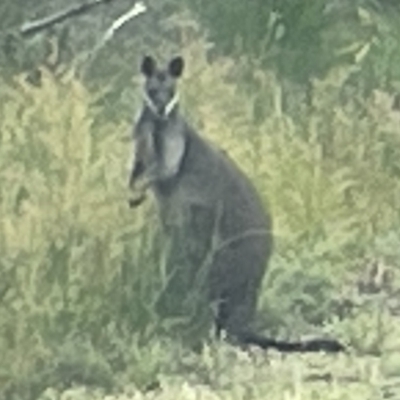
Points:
[[168, 108], [149, 102], [171, 105]]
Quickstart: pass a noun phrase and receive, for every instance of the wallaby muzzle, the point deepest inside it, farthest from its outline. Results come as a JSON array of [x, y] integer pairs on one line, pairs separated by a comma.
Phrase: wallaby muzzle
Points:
[[166, 111]]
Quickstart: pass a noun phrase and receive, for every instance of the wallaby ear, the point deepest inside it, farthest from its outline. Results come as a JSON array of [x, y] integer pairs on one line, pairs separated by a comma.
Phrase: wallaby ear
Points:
[[148, 66], [175, 67]]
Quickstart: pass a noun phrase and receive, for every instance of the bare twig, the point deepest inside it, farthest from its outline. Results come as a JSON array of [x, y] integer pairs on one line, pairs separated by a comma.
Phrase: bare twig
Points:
[[32, 27], [136, 10]]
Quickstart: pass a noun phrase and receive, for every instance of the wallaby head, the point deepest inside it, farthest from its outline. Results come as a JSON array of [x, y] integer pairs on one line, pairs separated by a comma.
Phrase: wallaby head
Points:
[[160, 94]]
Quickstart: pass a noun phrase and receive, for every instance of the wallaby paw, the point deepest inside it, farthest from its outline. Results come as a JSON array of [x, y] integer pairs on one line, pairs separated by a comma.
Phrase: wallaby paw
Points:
[[136, 202]]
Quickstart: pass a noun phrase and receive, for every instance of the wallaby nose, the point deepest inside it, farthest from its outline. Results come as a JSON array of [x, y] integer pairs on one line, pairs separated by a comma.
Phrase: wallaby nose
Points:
[[161, 102]]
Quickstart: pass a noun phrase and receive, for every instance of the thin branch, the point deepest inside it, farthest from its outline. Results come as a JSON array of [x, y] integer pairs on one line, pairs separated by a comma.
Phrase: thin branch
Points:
[[136, 10], [33, 27]]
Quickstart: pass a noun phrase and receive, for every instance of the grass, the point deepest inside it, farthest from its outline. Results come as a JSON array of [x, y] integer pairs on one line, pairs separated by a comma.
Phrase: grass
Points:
[[222, 372]]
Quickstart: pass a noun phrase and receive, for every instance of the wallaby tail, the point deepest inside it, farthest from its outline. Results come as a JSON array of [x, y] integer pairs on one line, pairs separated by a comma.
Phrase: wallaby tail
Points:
[[313, 345]]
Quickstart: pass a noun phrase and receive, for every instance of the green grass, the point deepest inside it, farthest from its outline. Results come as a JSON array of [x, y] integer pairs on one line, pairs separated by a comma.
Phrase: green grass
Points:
[[81, 273], [222, 372]]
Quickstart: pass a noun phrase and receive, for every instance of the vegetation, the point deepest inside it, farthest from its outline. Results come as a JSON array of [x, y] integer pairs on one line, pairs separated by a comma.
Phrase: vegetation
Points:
[[81, 273]]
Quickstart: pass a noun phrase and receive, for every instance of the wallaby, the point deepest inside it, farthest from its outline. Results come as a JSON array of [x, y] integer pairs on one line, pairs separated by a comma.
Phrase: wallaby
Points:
[[201, 192]]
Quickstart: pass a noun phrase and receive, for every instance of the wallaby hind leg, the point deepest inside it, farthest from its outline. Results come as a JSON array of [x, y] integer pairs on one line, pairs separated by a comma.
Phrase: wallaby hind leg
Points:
[[235, 279], [234, 316]]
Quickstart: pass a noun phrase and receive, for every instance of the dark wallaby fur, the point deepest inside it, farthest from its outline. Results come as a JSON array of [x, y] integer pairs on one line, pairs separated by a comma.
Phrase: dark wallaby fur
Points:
[[200, 191]]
